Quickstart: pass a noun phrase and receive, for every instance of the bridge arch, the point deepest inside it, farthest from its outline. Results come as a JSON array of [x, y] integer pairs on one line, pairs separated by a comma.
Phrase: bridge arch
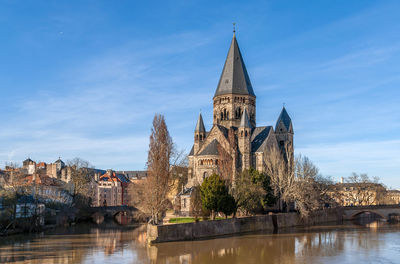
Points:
[[124, 212], [358, 213]]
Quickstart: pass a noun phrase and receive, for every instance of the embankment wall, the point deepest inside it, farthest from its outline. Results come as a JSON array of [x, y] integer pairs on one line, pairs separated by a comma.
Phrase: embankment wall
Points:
[[210, 229]]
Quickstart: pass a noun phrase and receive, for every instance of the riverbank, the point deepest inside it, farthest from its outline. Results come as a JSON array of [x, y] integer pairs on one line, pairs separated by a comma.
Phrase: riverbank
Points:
[[211, 229]]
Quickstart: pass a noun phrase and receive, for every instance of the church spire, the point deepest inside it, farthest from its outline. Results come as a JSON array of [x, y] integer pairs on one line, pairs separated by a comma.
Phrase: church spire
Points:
[[285, 119], [200, 125], [245, 122], [234, 78]]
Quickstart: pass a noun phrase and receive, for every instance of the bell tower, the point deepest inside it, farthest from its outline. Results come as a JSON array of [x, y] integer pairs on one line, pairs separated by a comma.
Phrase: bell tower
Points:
[[234, 92]]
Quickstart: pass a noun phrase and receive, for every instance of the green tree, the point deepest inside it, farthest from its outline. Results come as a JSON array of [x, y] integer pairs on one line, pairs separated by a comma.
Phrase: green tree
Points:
[[253, 191], [228, 205], [248, 193], [215, 196], [265, 181]]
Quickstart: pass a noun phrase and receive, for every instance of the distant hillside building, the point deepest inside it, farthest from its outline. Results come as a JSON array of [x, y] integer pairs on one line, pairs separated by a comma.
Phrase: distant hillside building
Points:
[[112, 190], [29, 166], [234, 130], [59, 170]]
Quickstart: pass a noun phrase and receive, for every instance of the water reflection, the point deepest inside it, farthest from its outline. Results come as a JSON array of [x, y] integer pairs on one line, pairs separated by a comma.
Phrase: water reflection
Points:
[[83, 243], [111, 243]]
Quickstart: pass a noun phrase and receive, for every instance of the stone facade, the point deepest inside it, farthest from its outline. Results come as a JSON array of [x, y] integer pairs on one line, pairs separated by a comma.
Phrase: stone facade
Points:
[[59, 170], [234, 136]]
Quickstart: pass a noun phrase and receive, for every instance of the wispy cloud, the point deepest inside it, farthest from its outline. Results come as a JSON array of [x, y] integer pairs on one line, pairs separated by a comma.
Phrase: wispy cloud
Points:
[[340, 159], [104, 107]]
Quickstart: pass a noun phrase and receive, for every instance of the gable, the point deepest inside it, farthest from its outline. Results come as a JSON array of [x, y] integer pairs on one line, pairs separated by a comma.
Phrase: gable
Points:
[[218, 133]]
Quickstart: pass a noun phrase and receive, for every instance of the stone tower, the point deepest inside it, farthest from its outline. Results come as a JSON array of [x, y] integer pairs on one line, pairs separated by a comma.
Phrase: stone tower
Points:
[[284, 132], [199, 134], [244, 140], [234, 92]]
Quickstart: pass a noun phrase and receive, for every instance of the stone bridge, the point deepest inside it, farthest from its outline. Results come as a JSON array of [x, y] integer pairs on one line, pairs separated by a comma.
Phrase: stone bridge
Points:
[[385, 211], [112, 211]]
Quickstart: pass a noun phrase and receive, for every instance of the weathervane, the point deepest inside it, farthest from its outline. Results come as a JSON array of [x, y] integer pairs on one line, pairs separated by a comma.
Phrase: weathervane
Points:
[[234, 27]]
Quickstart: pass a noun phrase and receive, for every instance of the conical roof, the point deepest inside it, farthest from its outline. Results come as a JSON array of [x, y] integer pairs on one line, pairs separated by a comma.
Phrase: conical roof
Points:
[[245, 122], [285, 118], [200, 125], [234, 78]]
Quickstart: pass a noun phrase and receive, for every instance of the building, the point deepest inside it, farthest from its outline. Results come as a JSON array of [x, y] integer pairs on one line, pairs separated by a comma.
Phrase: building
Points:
[[235, 133], [29, 166], [59, 170], [358, 194], [393, 197], [112, 190]]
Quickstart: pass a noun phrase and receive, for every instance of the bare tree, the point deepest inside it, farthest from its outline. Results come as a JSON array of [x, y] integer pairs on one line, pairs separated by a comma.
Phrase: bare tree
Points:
[[82, 179], [158, 165], [279, 167], [178, 172], [12, 165], [310, 191], [196, 206]]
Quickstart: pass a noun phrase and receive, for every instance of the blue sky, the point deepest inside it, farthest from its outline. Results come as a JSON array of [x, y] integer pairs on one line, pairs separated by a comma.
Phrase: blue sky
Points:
[[85, 78]]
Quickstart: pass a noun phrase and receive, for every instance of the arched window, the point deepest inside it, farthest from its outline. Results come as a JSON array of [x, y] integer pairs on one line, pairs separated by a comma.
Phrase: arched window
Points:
[[216, 162], [224, 114], [197, 137], [227, 115], [205, 174], [245, 133], [241, 134], [201, 162]]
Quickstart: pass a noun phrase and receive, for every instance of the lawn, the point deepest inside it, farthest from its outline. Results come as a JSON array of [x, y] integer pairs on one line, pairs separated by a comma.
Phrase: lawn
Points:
[[181, 220]]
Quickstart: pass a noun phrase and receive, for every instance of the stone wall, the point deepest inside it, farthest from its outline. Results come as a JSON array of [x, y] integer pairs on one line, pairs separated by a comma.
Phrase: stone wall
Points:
[[210, 229]]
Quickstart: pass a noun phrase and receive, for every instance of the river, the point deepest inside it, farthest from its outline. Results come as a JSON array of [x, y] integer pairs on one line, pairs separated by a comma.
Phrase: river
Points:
[[111, 243]]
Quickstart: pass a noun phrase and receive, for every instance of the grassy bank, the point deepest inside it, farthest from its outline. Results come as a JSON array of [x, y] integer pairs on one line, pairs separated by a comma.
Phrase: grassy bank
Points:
[[182, 220]]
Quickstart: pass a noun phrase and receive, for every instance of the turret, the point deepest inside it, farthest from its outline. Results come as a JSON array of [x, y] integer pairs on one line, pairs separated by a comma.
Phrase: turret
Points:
[[244, 139], [199, 134], [284, 132]]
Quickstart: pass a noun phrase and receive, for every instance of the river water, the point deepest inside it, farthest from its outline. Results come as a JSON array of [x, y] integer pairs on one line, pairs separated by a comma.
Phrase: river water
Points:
[[110, 243]]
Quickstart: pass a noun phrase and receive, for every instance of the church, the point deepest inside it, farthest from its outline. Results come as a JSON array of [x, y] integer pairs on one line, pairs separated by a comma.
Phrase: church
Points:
[[235, 133]]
